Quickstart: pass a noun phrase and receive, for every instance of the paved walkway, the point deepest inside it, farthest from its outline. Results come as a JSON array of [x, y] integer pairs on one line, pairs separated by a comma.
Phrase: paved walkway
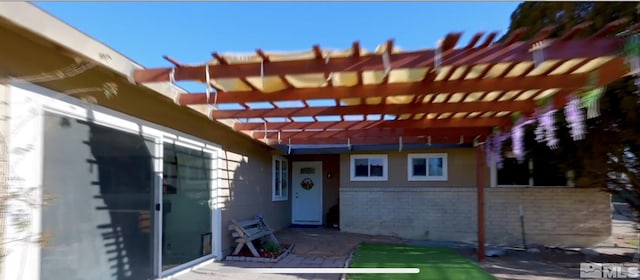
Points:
[[314, 248], [224, 270]]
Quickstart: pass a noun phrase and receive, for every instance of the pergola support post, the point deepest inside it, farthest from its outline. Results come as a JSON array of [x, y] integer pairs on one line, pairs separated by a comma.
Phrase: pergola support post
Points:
[[480, 183]]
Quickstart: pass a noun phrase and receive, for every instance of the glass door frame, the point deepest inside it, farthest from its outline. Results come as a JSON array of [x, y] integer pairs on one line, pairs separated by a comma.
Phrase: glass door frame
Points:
[[216, 211], [65, 106]]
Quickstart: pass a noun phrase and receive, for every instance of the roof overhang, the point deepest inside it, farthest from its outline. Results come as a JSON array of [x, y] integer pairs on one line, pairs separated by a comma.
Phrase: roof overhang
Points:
[[35, 42]]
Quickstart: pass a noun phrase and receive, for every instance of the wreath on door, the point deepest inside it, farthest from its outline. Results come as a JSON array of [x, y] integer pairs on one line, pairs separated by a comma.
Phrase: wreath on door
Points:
[[306, 184]]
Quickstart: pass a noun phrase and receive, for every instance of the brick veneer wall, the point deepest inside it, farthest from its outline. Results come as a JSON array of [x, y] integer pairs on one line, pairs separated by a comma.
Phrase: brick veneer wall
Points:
[[553, 216]]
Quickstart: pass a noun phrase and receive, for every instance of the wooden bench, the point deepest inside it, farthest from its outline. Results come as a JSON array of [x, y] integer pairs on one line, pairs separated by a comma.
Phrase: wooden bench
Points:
[[249, 230]]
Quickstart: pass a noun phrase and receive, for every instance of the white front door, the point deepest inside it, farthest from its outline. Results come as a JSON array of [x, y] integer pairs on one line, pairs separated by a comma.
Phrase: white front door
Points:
[[306, 184]]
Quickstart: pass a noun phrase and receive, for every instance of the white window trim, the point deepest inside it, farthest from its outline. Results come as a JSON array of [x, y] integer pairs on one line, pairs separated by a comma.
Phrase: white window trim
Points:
[[284, 195], [385, 169], [445, 167]]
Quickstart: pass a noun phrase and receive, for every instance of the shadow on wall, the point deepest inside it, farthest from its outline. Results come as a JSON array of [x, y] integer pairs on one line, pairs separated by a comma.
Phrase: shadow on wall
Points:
[[101, 220], [242, 187], [228, 163], [246, 191], [125, 169]]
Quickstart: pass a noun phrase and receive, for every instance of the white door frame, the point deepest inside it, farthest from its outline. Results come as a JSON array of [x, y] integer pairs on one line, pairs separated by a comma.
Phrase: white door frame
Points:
[[216, 231], [294, 171]]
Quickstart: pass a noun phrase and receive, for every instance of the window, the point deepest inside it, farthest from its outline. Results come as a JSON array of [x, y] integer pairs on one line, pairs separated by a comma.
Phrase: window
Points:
[[369, 167], [427, 167], [514, 173], [280, 182], [540, 170]]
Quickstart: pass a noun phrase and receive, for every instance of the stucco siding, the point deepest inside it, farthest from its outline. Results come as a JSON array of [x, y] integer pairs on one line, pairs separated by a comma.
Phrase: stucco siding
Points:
[[245, 191], [461, 169]]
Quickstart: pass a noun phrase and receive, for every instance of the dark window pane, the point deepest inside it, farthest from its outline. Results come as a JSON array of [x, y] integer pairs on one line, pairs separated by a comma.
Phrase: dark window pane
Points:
[[546, 171], [308, 170], [285, 179], [276, 175], [376, 167], [419, 167], [513, 172], [362, 167]]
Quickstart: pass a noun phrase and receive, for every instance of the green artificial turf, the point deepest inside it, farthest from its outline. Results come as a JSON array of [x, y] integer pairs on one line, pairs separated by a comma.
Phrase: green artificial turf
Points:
[[433, 262]]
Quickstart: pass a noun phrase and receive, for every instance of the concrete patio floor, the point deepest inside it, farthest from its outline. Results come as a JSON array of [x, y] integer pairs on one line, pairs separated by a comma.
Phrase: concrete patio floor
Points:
[[314, 248]]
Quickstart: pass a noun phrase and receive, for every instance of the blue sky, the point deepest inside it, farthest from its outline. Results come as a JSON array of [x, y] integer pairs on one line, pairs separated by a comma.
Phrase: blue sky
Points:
[[191, 31]]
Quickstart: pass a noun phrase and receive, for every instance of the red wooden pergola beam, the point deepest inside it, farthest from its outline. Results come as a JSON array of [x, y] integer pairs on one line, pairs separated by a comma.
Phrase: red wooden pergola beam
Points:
[[488, 40], [172, 61], [561, 50], [219, 58], [392, 109], [388, 50], [575, 31], [480, 181], [375, 132], [372, 140], [610, 27], [467, 54], [317, 51], [395, 89], [262, 55], [450, 41], [356, 49], [544, 33], [515, 36], [474, 40], [446, 123]]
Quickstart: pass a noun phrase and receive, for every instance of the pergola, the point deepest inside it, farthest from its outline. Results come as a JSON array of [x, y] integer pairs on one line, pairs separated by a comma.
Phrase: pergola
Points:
[[450, 95]]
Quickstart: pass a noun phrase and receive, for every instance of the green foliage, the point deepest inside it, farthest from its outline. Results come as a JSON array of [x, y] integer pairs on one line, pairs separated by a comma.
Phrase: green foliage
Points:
[[565, 15], [272, 247]]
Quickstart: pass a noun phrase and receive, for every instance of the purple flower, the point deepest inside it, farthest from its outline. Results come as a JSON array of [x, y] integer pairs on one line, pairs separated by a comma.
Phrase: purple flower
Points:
[[545, 131], [497, 150], [517, 139], [488, 151], [575, 118], [494, 149]]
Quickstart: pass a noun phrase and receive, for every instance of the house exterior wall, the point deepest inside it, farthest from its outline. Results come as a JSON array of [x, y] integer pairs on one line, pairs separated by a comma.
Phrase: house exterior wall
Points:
[[447, 210], [553, 216], [461, 169], [245, 189]]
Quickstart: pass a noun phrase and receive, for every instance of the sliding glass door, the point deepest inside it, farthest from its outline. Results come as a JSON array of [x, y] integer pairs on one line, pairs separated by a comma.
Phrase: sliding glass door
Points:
[[100, 218], [186, 212], [112, 214]]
